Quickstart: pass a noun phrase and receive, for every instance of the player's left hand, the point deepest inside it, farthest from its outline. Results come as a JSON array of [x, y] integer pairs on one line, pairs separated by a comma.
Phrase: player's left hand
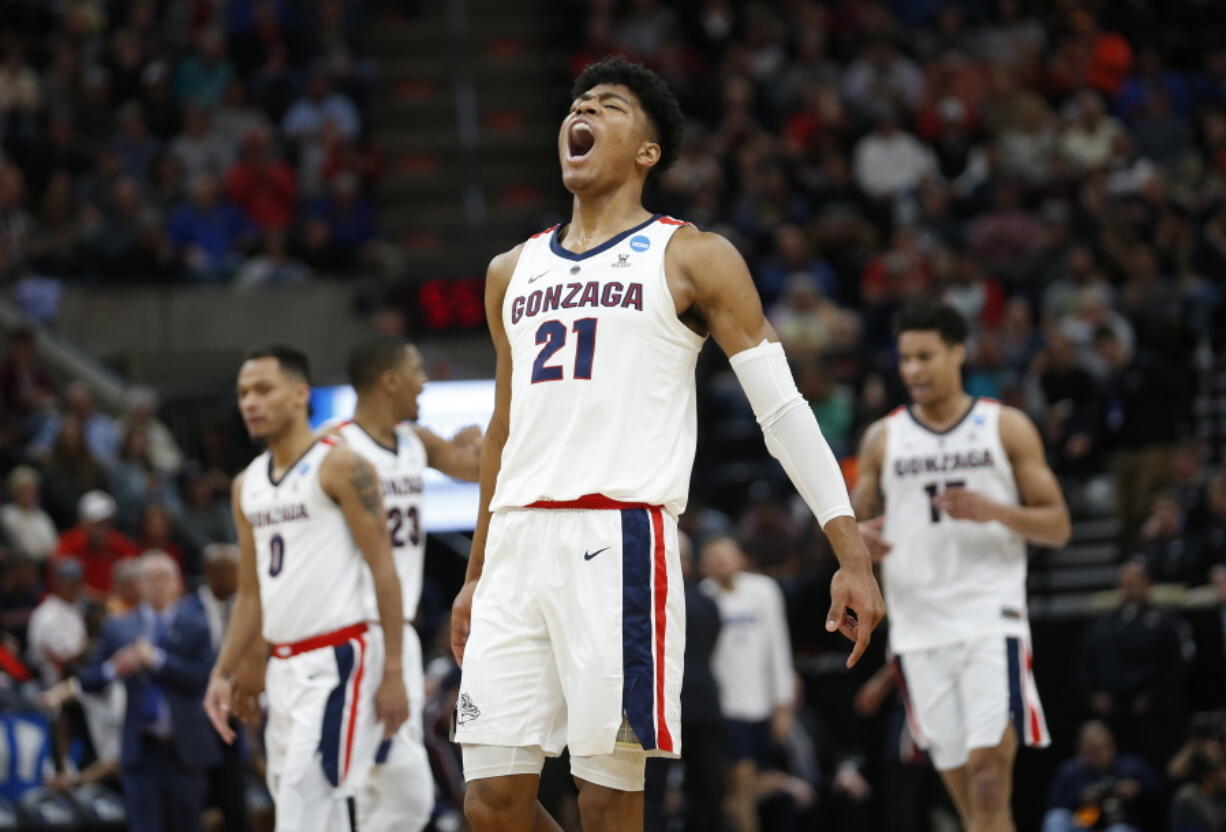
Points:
[[962, 504], [468, 437], [856, 607], [391, 703]]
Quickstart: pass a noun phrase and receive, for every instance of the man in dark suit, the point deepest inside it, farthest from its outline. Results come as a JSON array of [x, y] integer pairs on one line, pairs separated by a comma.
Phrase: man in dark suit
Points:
[[162, 653], [212, 600]]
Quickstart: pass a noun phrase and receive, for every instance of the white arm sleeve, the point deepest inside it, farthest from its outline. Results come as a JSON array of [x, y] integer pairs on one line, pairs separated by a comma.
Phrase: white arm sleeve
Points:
[[791, 431]]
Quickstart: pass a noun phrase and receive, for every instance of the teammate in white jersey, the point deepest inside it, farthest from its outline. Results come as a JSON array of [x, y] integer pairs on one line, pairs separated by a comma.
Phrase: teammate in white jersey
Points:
[[312, 536], [964, 484], [388, 376], [570, 626]]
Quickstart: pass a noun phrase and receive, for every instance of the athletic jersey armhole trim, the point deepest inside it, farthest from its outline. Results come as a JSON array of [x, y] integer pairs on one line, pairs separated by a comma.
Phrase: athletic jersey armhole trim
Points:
[[671, 318]]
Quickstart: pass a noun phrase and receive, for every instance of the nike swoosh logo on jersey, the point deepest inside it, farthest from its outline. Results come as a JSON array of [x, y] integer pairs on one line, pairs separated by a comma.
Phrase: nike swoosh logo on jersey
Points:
[[590, 555], [539, 276]]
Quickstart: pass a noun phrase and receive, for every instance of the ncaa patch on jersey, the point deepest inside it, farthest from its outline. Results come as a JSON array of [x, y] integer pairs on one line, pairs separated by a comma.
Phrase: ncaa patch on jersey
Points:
[[640, 242]]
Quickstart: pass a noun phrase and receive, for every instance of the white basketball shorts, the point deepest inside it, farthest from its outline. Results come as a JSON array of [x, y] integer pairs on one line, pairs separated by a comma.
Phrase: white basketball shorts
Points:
[[322, 732], [578, 629], [399, 793], [961, 696]]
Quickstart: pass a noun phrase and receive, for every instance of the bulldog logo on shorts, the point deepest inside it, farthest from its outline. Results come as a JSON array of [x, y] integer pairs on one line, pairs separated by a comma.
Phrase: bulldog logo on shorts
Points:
[[466, 711]]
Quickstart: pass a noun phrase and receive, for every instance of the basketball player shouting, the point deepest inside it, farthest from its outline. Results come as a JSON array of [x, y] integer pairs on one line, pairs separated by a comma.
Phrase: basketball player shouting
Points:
[[964, 485], [312, 535], [570, 624]]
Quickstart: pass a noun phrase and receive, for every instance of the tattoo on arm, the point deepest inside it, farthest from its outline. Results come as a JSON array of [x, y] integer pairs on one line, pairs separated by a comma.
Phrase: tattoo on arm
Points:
[[364, 483]]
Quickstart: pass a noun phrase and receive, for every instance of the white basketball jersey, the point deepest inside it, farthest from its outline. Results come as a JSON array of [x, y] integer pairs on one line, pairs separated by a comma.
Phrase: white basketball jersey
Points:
[[401, 472], [949, 580], [313, 578], [602, 378]]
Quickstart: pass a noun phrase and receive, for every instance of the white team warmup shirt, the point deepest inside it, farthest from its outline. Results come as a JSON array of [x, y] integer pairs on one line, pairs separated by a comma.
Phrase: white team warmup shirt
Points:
[[603, 398], [946, 580], [313, 578], [401, 470], [753, 656]]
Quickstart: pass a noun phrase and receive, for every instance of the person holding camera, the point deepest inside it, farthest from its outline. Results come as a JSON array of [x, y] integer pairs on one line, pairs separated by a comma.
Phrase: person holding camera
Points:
[[1101, 788]]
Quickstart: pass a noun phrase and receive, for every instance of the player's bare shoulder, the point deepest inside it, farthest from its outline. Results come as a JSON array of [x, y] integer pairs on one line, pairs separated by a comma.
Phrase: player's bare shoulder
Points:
[[695, 257], [502, 266], [1018, 433]]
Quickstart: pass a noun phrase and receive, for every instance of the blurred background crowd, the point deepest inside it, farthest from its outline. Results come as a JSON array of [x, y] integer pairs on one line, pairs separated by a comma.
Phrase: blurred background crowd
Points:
[[1056, 170]]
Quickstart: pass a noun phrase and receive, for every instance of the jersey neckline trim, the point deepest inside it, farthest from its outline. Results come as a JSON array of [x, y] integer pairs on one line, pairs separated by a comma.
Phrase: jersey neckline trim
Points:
[[394, 450], [951, 428], [276, 483], [556, 247]]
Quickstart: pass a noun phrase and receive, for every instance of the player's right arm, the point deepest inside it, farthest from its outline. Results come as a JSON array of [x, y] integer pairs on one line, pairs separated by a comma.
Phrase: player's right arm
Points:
[[244, 626], [866, 498], [497, 278]]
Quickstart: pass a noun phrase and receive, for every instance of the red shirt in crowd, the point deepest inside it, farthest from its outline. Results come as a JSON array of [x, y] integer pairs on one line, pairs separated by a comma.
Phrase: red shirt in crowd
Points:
[[98, 560]]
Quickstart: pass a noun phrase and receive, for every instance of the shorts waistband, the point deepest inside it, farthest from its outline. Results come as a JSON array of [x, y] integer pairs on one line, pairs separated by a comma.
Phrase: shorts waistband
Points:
[[589, 501], [332, 639]]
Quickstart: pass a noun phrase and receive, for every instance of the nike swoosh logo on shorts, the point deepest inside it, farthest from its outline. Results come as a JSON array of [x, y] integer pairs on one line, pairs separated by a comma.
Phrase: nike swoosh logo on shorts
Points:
[[590, 555], [539, 276]]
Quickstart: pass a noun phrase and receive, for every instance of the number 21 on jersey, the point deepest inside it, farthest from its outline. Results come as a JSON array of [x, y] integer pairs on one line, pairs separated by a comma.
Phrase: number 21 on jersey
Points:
[[551, 336]]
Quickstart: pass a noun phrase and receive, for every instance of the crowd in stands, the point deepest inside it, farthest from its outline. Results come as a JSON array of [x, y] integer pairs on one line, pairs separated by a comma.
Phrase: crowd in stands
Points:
[[182, 141]]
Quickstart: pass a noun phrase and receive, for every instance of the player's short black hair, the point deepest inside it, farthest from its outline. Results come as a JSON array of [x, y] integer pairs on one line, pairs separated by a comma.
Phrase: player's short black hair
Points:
[[657, 100], [292, 360], [929, 316], [373, 357]]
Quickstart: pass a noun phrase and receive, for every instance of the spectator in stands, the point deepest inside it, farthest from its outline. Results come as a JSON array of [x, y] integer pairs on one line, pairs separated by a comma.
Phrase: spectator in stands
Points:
[[889, 161], [198, 149], [140, 413], [1168, 549], [162, 654], [20, 594], [21, 98], [208, 233], [882, 78], [320, 103], [28, 528], [1090, 137], [203, 76], [26, 389], [57, 628], [213, 600], [157, 532], [15, 222], [1143, 410], [342, 231], [807, 321], [1197, 771], [262, 184], [1211, 532], [206, 513], [136, 483], [235, 119], [125, 587], [134, 145], [753, 668], [127, 241], [71, 472], [1071, 407], [95, 542], [1134, 665], [833, 403], [1100, 787], [100, 433]]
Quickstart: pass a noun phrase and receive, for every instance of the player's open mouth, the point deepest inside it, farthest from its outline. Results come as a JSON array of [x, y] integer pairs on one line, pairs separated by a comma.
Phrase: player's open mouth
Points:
[[579, 141]]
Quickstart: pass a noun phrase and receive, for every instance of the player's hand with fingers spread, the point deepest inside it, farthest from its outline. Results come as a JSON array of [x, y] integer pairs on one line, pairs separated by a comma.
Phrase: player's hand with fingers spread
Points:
[[461, 620], [856, 607], [963, 504], [877, 545], [217, 706], [391, 702]]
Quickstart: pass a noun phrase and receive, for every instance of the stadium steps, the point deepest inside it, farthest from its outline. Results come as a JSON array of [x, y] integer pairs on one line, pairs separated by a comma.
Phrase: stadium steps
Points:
[[1065, 581], [467, 120]]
